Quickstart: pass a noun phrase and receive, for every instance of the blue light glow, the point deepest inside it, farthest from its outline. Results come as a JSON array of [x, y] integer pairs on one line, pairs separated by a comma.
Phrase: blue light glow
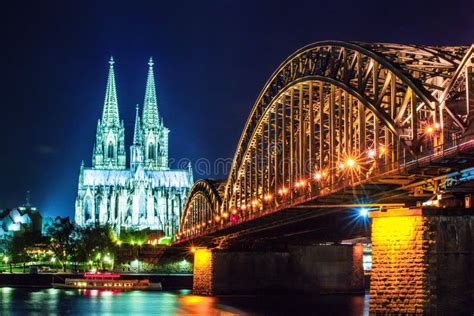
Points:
[[363, 212]]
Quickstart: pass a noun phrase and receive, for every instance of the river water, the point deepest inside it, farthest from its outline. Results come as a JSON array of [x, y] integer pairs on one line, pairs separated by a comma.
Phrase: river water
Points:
[[21, 301]]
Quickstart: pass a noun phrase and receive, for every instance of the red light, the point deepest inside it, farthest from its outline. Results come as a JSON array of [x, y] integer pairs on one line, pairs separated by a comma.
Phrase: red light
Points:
[[234, 218], [101, 275]]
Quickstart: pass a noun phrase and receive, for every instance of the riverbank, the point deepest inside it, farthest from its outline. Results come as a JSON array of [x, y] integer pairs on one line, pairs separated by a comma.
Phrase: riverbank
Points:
[[44, 280]]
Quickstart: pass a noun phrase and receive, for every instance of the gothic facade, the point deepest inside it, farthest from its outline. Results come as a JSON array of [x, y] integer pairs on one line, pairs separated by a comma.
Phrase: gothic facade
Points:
[[148, 194]]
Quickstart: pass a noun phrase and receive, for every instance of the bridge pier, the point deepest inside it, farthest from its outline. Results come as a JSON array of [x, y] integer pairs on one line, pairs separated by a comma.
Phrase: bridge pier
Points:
[[422, 261], [321, 268]]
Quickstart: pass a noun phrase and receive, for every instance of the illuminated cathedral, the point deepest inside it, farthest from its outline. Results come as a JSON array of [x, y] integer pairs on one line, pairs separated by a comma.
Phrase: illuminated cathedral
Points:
[[147, 194]]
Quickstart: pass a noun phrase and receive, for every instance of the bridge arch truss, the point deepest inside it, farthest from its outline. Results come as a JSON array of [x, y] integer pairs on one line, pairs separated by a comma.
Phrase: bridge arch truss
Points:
[[338, 113]]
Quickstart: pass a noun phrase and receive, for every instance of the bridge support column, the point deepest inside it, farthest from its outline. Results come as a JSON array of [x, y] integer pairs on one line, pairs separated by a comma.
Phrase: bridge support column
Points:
[[322, 268], [422, 261]]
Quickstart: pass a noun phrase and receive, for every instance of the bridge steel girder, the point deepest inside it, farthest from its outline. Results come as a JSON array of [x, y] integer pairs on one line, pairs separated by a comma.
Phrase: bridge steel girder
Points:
[[335, 114]]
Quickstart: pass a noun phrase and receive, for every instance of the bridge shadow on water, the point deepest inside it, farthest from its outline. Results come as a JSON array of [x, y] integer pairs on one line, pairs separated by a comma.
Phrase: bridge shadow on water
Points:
[[296, 304]]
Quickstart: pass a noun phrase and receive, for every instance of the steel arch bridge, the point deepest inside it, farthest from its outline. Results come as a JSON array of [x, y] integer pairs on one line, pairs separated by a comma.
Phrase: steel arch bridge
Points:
[[337, 115]]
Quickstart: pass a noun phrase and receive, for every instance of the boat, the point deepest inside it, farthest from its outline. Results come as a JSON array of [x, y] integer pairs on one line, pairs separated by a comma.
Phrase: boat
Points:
[[106, 281]]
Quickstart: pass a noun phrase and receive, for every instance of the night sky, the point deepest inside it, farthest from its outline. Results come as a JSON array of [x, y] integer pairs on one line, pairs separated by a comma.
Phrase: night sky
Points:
[[211, 60]]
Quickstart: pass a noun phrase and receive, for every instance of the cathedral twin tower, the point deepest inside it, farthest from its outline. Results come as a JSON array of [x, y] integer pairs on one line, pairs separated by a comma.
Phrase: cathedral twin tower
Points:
[[146, 195]]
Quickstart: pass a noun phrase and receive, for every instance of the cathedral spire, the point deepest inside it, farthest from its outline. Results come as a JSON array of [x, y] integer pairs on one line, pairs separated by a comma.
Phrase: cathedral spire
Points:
[[150, 104], [110, 115], [138, 134]]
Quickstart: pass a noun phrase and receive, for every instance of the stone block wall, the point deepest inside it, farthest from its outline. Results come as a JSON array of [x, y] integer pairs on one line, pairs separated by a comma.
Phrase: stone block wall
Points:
[[203, 272], [422, 262]]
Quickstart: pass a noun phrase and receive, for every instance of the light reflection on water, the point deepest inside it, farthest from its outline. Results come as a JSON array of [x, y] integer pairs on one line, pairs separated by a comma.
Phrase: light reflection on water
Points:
[[96, 302]]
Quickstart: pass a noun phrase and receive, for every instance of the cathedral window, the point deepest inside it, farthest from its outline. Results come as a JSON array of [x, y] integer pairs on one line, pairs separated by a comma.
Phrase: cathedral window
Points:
[[151, 151], [110, 152]]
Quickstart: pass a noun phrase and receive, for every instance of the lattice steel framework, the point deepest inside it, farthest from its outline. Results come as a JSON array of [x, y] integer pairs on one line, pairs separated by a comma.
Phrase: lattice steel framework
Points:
[[338, 113]]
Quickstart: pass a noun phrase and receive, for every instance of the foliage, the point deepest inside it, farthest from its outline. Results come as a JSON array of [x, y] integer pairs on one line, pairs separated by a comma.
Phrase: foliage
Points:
[[63, 237], [17, 250], [97, 241], [134, 236], [5, 243]]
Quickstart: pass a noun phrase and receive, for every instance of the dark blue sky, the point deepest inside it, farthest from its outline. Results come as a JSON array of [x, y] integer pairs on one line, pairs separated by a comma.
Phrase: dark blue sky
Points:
[[212, 58]]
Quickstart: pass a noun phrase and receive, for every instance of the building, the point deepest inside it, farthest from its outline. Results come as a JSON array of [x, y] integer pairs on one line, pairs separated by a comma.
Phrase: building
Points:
[[148, 194], [19, 220]]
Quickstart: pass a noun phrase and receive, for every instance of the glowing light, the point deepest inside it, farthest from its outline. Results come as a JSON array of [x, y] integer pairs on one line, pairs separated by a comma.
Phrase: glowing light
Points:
[[429, 130], [283, 191], [107, 259], [5, 259], [193, 249], [318, 176], [341, 166], [53, 259], [225, 214], [234, 211], [217, 218], [254, 202], [101, 275], [268, 197], [165, 240], [350, 162], [363, 212], [371, 153], [437, 126], [243, 207], [300, 184]]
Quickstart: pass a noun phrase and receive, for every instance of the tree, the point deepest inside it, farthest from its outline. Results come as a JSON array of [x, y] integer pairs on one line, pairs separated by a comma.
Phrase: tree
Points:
[[62, 234], [98, 241], [5, 248], [18, 250], [78, 252]]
